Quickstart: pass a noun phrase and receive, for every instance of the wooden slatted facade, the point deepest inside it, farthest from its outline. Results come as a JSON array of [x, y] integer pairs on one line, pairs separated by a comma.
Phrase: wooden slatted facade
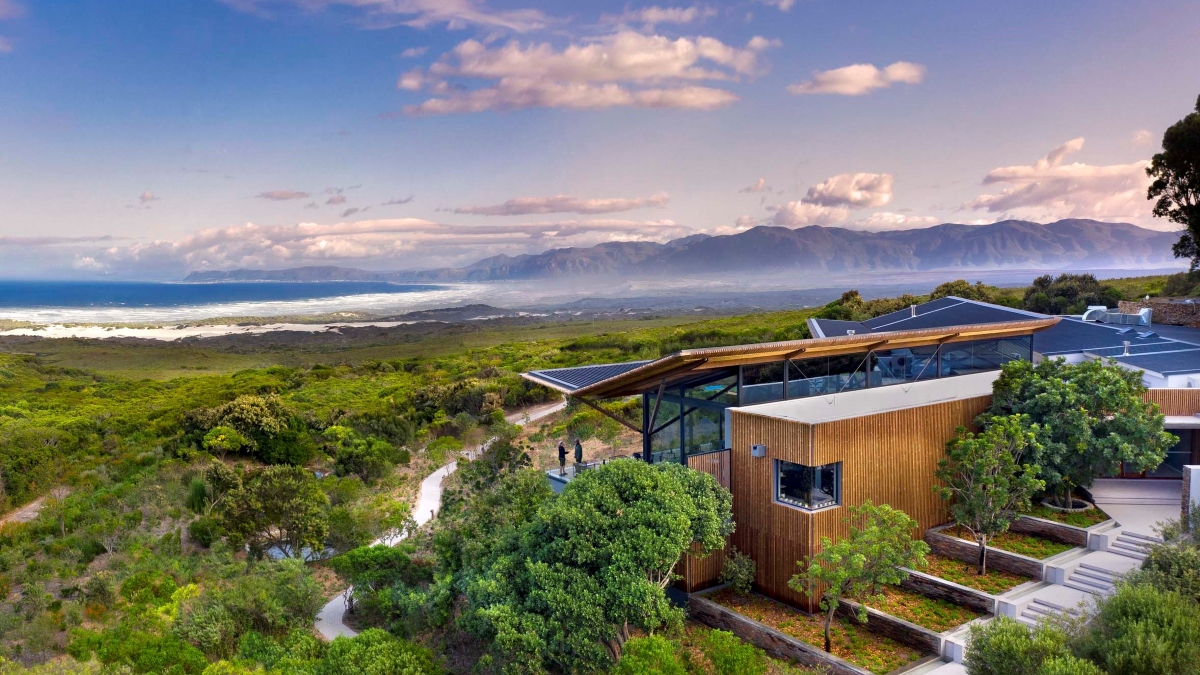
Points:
[[888, 458], [1175, 401], [701, 573]]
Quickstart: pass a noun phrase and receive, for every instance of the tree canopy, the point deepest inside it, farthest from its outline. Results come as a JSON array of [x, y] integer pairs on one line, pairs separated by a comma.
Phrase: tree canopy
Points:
[[1068, 294], [1089, 419], [1176, 185]]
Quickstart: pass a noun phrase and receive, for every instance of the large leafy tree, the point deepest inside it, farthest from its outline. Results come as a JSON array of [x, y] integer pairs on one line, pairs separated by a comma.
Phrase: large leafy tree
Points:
[[984, 477], [879, 544], [1176, 185], [280, 506], [1089, 418], [593, 564]]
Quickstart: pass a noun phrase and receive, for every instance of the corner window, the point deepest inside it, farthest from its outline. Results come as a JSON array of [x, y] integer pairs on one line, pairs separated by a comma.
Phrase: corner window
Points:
[[808, 487]]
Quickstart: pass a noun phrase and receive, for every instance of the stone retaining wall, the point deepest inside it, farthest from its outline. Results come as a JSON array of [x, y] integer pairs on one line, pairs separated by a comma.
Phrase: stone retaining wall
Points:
[[768, 639], [968, 551], [880, 623], [1164, 311], [940, 589], [1051, 529]]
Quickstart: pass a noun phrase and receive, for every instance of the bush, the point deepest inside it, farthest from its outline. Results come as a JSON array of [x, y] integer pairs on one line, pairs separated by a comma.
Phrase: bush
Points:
[[730, 656], [204, 530], [1174, 566], [1142, 630], [739, 571], [651, 655], [374, 652], [1006, 647]]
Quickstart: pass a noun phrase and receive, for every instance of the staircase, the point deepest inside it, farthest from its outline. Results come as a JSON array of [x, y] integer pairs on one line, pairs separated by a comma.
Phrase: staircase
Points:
[[1133, 545], [1091, 578], [1041, 608]]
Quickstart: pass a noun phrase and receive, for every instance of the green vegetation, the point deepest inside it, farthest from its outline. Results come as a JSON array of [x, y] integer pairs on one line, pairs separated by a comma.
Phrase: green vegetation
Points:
[[858, 566], [984, 480], [1088, 419], [738, 570], [994, 582], [1022, 544], [1176, 186], [1083, 519], [1068, 294], [1006, 647], [936, 615]]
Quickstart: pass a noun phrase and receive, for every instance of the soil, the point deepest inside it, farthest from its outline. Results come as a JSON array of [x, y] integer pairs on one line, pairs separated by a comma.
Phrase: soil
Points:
[[853, 643]]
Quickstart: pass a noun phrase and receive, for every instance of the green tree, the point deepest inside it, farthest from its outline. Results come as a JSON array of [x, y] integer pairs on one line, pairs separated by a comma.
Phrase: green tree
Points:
[[1068, 294], [855, 567], [963, 289], [1006, 647], [223, 440], [985, 481], [1142, 630], [374, 652], [593, 563], [1090, 419], [279, 506], [1176, 184]]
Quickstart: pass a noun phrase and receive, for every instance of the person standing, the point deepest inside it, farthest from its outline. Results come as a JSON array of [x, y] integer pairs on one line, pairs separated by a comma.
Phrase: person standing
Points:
[[562, 459], [578, 452]]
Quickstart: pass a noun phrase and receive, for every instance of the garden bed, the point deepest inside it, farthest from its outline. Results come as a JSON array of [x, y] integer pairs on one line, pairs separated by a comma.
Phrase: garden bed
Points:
[[936, 615], [1084, 519], [994, 582], [1028, 545], [855, 644]]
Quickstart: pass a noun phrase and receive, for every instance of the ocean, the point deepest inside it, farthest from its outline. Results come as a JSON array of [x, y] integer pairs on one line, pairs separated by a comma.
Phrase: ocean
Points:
[[140, 301]]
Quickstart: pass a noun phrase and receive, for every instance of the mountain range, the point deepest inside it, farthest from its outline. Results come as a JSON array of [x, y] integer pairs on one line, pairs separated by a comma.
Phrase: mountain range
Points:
[[1065, 244]]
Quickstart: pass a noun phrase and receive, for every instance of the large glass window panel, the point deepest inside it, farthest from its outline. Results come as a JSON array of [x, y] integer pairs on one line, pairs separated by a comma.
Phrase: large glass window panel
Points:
[[723, 391], [1178, 456], [702, 431], [762, 383], [899, 366], [827, 375], [664, 445], [808, 487], [964, 358]]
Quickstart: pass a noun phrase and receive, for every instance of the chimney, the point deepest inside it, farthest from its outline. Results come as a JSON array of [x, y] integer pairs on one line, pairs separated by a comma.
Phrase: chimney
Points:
[[1126, 348], [913, 309]]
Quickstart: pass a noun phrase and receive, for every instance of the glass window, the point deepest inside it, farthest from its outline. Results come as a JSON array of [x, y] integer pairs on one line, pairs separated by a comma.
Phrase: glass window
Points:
[[1178, 456], [964, 358], [808, 487], [723, 391], [827, 375], [899, 366], [702, 431], [762, 383], [664, 445]]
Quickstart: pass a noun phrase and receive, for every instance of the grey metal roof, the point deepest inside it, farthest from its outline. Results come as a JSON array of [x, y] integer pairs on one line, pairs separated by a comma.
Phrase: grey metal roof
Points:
[[941, 313], [578, 377], [1165, 363]]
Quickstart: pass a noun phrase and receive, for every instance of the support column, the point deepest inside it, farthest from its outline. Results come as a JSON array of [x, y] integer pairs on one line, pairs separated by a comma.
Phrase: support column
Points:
[[1191, 492]]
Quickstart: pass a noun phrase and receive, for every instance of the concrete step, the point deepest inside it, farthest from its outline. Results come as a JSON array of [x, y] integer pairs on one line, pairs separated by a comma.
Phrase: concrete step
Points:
[[1088, 588], [1118, 546], [1045, 605], [1128, 554], [1145, 537], [1111, 563], [1130, 541], [1097, 575]]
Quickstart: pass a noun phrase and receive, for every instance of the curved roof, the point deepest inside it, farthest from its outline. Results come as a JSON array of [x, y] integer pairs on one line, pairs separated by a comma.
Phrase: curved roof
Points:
[[641, 376]]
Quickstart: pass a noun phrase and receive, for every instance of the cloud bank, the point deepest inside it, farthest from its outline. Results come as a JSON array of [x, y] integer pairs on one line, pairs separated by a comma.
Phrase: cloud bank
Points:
[[859, 79], [523, 206]]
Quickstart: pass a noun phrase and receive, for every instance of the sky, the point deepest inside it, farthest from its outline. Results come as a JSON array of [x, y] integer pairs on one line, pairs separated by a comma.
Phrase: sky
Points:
[[147, 139]]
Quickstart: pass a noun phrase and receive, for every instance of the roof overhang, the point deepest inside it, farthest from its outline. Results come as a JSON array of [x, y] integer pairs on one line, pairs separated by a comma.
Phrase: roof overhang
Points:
[[685, 364]]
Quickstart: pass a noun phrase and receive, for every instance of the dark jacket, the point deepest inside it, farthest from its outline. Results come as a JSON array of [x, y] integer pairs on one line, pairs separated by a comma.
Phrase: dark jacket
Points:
[[578, 452], [562, 453]]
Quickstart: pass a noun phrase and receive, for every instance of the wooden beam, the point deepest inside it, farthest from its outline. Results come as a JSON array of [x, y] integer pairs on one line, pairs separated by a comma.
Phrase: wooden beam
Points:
[[606, 413]]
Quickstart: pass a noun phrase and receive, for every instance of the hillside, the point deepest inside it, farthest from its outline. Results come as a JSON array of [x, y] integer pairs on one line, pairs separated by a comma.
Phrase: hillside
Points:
[[1065, 244]]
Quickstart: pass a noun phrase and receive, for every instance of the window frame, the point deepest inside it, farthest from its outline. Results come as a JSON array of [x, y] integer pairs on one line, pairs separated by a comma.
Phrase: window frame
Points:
[[777, 495]]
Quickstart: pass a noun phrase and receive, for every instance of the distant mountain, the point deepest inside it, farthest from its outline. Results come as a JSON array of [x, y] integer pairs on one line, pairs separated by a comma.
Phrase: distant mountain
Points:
[[1065, 244]]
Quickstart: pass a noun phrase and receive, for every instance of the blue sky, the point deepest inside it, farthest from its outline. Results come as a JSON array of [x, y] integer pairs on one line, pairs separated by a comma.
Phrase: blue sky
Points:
[[148, 138]]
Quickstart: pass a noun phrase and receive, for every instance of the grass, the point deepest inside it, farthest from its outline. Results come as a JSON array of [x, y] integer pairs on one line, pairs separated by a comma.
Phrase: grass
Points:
[[855, 644], [1081, 519], [936, 615], [692, 640], [1029, 545], [994, 582]]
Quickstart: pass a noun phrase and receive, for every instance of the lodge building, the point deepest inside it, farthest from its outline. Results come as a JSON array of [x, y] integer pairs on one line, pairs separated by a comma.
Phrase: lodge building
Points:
[[863, 410]]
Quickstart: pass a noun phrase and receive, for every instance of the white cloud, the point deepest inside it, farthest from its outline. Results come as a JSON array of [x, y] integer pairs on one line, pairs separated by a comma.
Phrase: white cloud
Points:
[[1143, 137], [623, 69], [88, 264], [860, 78], [803, 214], [1049, 189], [853, 190], [147, 197], [522, 206], [651, 16], [887, 220], [454, 14], [413, 52], [781, 5], [283, 195], [759, 185]]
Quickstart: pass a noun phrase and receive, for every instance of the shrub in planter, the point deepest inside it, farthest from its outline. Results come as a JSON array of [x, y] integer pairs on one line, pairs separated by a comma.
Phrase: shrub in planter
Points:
[[730, 656], [1143, 630], [1006, 647], [739, 571], [651, 655]]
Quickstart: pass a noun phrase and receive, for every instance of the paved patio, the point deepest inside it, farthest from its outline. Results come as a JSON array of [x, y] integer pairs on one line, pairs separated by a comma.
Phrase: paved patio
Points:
[[1138, 505]]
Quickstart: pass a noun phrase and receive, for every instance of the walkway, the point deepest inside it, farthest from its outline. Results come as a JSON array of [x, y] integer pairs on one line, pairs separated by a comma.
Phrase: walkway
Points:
[[329, 620]]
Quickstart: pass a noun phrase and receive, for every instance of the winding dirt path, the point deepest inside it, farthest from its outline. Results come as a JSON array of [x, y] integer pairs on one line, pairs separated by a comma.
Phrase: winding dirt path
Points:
[[330, 622]]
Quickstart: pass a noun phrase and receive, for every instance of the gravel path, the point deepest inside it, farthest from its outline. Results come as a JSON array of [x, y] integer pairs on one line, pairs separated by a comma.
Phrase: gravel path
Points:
[[329, 619]]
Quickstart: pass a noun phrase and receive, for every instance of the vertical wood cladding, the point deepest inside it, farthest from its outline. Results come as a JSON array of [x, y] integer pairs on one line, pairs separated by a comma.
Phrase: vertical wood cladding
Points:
[[700, 573], [1175, 401], [888, 458]]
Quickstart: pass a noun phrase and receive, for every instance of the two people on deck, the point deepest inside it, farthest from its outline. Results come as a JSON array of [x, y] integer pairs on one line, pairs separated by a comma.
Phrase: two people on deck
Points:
[[562, 456]]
